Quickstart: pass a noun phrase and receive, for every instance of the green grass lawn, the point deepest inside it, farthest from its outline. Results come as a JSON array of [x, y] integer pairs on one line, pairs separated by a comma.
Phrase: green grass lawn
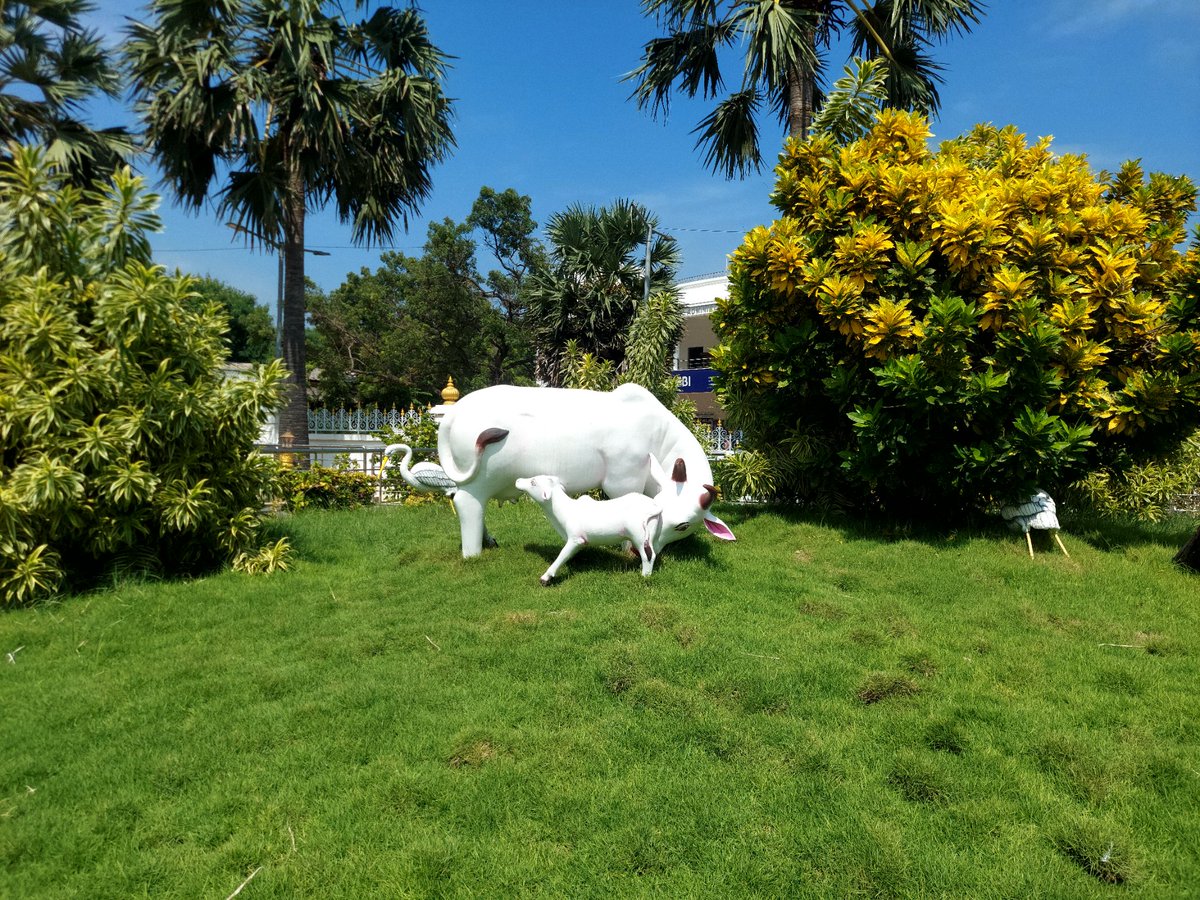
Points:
[[814, 710]]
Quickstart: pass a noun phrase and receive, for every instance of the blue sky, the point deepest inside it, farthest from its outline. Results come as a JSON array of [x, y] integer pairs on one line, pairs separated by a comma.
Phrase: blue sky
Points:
[[540, 107]]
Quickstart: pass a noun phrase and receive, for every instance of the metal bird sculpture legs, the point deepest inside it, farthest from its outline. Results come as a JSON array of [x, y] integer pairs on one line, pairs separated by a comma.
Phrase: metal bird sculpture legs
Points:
[[1038, 512]]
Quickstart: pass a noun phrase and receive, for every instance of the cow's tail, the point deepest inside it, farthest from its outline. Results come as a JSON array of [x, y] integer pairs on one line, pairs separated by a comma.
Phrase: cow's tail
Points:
[[446, 453]]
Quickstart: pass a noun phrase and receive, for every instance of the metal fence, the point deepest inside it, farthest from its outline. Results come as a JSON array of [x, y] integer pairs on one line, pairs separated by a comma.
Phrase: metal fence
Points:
[[360, 420], [360, 456], [718, 440], [721, 441]]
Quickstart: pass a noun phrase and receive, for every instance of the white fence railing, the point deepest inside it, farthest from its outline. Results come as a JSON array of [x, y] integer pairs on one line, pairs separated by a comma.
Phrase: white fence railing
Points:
[[359, 420], [327, 425]]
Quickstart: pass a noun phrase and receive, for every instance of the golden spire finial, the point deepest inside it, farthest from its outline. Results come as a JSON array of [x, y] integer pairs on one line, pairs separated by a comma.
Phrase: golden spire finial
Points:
[[450, 393]]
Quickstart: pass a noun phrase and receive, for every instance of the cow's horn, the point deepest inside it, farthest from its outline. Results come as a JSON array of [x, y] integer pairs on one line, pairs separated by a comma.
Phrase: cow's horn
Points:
[[679, 473], [709, 495]]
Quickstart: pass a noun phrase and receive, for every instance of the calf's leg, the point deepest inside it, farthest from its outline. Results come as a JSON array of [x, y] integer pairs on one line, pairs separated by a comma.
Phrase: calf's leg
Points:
[[573, 546]]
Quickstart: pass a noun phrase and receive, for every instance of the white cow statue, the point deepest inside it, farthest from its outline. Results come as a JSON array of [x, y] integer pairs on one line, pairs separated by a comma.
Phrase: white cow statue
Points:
[[585, 520], [588, 439]]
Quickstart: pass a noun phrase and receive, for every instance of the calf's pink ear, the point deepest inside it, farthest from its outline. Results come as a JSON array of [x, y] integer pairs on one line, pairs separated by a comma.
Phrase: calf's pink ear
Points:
[[717, 528]]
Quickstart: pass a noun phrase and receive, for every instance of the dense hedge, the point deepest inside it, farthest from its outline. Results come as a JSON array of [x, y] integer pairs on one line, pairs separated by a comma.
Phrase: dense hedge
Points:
[[945, 329], [121, 444]]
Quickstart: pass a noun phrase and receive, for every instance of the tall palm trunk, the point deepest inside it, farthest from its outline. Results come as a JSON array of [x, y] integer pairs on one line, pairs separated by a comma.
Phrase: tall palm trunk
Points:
[[801, 87], [294, 415]]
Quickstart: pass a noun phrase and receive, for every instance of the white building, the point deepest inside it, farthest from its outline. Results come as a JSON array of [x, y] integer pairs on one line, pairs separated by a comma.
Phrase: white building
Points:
[[692, 366]]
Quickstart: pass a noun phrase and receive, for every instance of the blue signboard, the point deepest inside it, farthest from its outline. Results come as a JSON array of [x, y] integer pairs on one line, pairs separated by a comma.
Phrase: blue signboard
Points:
[[693, 381]]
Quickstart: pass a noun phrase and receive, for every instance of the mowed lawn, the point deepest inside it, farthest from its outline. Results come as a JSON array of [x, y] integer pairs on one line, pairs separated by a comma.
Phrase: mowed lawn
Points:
[[816, 710]]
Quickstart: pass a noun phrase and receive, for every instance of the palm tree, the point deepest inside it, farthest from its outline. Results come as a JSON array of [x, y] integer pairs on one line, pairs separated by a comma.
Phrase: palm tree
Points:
[[589, 288], [782, 68], [290, 107], [50, 67]]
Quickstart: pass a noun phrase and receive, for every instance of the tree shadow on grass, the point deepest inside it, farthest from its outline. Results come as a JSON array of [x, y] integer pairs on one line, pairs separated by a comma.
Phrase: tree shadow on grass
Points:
[[1109, 534], [1105, 535]]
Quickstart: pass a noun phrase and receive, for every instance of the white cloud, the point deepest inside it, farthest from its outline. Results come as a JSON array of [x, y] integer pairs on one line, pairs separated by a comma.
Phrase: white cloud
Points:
[[1074, 19]]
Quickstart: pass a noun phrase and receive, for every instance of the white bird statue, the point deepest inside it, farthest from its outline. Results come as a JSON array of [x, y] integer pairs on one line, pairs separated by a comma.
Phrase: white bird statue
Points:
[[1038, 512], [424, 476]]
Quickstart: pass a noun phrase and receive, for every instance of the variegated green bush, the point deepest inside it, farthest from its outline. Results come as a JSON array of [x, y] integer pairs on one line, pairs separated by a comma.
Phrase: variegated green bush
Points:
[[945, 329], [121, 444]]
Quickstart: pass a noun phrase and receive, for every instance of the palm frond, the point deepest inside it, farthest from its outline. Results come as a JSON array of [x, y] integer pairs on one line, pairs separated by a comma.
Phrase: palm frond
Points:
[[779, 38], [729, 135], [688, 57]]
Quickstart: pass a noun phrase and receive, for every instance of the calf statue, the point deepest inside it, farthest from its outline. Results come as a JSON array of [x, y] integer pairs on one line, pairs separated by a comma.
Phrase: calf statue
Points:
[[587, 439], [631, 518]]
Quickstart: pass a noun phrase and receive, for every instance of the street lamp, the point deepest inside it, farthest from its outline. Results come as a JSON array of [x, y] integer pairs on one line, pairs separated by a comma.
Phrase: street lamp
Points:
[[279, 295], [278, 248]]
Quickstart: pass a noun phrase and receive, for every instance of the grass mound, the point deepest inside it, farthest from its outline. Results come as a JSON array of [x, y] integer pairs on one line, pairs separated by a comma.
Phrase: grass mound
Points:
[[813, 710]]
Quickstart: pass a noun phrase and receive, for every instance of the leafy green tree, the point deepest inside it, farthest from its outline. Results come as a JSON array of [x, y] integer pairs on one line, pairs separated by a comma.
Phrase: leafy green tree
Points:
[[506, 224], [393, 336], [390, 337], [943, 330], [781, 71], [121, 443], [590, 287], [290, 106], [50, 67], [251, 335]]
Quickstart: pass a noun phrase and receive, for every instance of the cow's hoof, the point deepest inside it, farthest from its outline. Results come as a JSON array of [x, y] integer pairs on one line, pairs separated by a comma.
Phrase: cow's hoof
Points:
[[490, 543], [545, 581]]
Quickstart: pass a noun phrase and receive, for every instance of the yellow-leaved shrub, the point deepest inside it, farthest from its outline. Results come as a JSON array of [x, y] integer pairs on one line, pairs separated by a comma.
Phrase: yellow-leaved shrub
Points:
[[960, 325]]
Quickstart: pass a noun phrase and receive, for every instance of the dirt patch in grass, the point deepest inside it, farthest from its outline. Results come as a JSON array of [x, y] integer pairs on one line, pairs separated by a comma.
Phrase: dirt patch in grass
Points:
[[1075, 764], [917, 780], [920, 664], [821, 610], [525, 618], [884, 686], [945, 737], [473, 754], [1158, 644], [865, 637], [621, 671], [665, 620], [658, 617]]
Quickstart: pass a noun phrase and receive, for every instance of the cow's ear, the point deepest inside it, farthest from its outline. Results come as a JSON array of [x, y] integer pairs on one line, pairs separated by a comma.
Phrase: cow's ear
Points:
[[717, 528], [657, 474], [679, 473]]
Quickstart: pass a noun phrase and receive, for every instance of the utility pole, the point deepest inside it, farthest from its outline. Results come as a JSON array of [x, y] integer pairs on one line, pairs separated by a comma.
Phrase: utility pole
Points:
[[646, 276], [279, 306], [278, 248]]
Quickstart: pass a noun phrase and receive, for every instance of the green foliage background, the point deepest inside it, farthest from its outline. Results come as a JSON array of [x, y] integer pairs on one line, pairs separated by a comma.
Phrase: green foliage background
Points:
[[121, 443], [392, 336], [939, 330], [251, 334]]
